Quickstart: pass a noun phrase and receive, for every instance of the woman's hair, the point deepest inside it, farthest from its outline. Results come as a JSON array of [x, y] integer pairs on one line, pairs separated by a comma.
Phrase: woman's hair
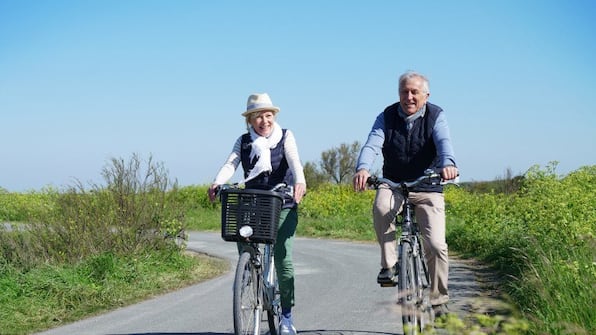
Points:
[[412, 74], [248, 118]]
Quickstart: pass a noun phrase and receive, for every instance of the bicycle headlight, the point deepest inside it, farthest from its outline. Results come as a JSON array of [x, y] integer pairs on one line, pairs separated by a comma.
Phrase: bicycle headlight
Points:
[[246, 231]]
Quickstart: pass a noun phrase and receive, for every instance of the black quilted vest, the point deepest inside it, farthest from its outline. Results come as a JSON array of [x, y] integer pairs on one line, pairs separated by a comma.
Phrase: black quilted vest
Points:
[[408, 153], [279, 165]]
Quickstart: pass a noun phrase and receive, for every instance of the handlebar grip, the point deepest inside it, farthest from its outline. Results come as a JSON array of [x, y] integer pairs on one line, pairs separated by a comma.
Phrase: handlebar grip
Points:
[[220, 188], [372, 180]]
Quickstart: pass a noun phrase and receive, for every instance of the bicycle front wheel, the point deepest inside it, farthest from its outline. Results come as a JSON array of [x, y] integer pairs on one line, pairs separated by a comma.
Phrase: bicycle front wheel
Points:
[[425, 311], [274, 312], [247, 310], [407, 290]]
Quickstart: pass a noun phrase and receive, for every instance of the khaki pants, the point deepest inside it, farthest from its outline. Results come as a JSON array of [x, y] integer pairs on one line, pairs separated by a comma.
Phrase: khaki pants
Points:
[[430, 215]]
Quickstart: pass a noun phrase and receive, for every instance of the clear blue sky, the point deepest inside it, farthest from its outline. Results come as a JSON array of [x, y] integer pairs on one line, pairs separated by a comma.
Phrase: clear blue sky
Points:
[[84, 81]]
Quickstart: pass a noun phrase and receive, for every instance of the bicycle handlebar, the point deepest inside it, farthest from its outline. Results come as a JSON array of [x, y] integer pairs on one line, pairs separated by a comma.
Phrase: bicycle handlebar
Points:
[[280, 188], [430, 175]]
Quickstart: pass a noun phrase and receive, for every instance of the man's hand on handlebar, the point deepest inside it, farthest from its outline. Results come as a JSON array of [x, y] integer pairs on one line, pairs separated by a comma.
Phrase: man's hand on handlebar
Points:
[[359, 180], [449, 172]]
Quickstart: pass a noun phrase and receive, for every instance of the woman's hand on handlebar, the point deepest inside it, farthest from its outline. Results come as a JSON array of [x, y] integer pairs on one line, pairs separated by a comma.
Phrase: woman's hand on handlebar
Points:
[[212, 192], [359, 180], [299, 192]]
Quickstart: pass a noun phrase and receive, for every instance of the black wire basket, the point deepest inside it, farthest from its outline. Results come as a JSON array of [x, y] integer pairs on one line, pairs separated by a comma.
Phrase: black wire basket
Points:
[[258, 209]]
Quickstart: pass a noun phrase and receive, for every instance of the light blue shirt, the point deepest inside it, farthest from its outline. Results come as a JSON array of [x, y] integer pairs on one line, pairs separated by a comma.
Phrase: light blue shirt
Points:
[[374, 144]]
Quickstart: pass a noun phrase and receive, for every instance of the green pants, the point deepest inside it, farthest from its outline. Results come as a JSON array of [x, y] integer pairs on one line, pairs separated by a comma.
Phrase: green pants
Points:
[[282, 254], [288, 221]]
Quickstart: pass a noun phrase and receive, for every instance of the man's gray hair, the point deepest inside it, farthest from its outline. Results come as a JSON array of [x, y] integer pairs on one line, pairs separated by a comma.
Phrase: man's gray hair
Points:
[[413, 74]]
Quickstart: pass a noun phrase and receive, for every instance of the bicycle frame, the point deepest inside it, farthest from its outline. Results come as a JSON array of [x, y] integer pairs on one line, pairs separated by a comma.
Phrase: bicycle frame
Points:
[[255, 283], [411, 234], [266, 272]]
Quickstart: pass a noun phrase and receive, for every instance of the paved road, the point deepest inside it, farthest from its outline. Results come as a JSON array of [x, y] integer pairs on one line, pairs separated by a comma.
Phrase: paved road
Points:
[[336, 293]]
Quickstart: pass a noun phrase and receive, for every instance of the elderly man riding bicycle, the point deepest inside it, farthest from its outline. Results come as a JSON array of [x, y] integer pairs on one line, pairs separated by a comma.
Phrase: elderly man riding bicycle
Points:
[[413, 136]]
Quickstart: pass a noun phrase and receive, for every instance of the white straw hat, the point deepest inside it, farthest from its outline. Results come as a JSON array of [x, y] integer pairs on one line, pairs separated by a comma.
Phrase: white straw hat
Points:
[[259, 102]]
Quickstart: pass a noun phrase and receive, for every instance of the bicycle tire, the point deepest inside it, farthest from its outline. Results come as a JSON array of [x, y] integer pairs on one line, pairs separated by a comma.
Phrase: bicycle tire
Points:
[[407, 290], [246, 308], [274, 313], [425, 317]]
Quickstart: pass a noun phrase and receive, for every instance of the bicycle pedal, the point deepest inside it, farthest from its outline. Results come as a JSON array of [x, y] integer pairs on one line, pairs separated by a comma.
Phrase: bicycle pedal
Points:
[[387, 283]]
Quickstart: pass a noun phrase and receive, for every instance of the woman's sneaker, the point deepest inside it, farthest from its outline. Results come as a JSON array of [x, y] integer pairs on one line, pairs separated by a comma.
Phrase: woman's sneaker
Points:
[[286, 327]]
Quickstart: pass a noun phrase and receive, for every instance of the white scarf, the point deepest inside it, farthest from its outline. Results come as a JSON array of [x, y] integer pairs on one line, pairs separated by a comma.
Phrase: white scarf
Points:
[[261, 148]]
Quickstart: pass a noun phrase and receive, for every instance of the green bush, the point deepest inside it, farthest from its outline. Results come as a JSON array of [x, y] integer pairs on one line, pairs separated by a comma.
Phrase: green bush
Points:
[[20, 207], [331, 200], [193, 197], [542, 239], [131, 212]]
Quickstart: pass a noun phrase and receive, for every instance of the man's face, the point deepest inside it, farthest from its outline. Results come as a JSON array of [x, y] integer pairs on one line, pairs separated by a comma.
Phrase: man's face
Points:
[[412, 95]]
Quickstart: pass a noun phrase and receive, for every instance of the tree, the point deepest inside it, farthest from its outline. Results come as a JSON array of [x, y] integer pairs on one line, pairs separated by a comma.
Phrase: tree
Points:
[[510, 183], [338, 163], [314, 177]]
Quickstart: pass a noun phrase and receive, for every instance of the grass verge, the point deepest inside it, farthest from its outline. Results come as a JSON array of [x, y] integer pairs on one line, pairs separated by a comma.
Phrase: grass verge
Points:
[[50, 296]]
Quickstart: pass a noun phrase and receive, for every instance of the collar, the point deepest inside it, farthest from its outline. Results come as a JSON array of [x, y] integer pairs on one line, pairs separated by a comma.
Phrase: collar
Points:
[[411, 118]]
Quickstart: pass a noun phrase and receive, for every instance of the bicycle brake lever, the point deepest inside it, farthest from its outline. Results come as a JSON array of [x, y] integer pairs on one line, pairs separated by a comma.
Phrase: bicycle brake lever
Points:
[[454, 181]]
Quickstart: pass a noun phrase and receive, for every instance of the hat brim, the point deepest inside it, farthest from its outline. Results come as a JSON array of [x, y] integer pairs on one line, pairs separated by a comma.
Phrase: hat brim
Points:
[[275, 110]]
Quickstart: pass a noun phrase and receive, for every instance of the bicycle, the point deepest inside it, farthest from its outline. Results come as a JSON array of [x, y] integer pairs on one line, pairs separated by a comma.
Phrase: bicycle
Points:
[[250, 217], [413, 276]]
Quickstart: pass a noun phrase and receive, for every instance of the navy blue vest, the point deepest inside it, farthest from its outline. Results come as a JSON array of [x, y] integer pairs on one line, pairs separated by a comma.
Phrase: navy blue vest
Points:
[[280, 173], [407, 153]]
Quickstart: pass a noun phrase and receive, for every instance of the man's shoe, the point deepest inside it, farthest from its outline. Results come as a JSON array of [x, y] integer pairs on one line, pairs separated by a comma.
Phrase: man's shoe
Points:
[[286, 326], [388, 276], [440, 310]]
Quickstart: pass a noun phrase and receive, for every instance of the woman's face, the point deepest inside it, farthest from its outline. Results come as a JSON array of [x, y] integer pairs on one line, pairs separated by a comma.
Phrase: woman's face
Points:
[[262, 122]]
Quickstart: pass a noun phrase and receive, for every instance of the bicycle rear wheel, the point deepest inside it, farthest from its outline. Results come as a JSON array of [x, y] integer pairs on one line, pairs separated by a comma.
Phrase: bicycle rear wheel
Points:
[[407, 290], [247, 311]]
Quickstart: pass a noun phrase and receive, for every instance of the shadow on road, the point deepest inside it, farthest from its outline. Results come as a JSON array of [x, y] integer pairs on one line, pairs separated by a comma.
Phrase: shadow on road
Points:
[[177, 333], [339, 332], [301, 332]]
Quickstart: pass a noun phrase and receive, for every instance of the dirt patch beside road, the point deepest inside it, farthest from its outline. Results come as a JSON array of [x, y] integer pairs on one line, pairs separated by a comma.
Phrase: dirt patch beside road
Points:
[[474, 288]]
